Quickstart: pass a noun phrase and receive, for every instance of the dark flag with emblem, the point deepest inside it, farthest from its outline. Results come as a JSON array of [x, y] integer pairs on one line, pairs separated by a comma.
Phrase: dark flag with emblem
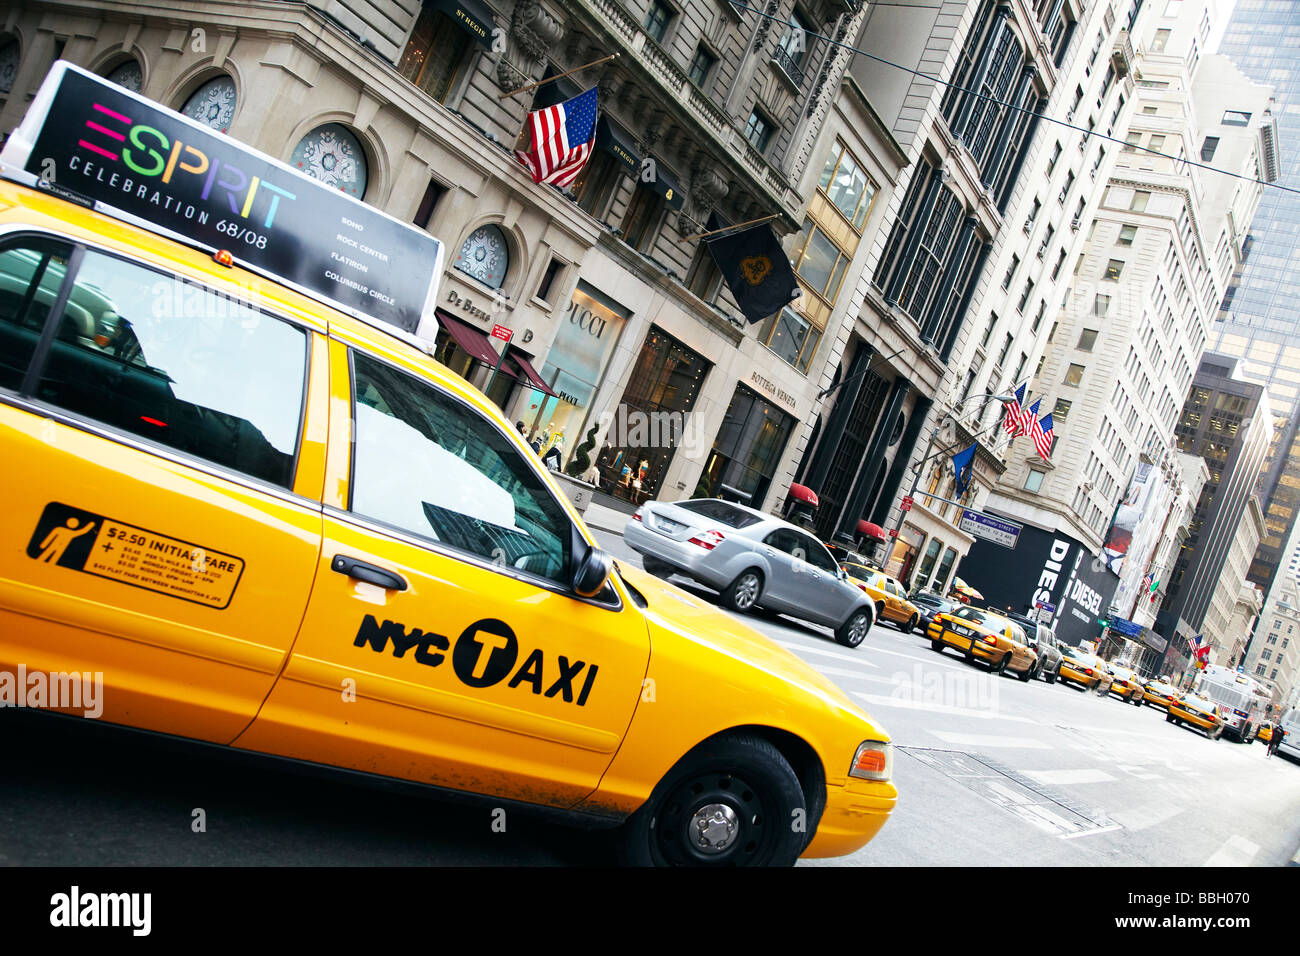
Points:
[[756, 269]]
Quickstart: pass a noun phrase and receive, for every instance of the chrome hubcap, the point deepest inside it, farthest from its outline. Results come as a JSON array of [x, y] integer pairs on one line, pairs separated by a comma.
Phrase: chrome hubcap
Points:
[[859, 629], [714, 828], [747, 590]]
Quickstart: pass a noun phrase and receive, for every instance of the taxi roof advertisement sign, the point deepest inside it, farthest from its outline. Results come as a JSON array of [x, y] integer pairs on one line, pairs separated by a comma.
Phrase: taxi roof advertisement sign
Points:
[[174, 175]]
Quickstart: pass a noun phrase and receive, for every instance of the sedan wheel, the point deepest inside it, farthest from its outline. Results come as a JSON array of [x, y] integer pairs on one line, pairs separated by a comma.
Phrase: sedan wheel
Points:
[[743, 593], [852, 631], [912, 622]]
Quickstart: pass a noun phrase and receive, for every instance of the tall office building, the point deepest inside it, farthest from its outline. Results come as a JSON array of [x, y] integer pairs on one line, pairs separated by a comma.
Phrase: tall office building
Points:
[[1226, 421], [1259, 321]]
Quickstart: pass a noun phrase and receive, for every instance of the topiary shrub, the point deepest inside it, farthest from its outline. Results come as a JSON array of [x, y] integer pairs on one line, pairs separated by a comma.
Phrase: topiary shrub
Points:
[[581, 460]]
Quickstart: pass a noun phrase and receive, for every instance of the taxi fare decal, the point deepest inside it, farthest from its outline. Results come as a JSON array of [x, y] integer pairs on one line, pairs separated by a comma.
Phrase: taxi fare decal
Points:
[[485, 654], [94, 544]]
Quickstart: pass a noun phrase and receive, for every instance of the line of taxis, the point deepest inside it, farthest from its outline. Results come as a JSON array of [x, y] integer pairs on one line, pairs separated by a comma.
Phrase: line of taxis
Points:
[[1002, 645]]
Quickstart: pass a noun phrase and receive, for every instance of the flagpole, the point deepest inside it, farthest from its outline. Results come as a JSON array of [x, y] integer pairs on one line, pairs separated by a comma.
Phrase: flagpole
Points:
[[559, 76], [739, 225]]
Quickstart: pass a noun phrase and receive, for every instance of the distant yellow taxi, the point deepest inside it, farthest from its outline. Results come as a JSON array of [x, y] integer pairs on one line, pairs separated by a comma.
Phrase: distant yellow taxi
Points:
[[888, 594], [1265, 732], [1126, 685], [1159, 693], [985, 636], [1084, 669], [1197, 711], [278, 527]]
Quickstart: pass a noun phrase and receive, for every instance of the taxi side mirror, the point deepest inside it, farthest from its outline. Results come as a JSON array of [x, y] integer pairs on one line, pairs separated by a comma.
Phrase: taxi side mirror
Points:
[[592, 572]]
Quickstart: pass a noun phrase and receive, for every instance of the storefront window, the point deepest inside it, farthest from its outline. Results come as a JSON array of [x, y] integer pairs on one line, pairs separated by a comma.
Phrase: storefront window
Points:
[[927, 562], [747, 450], [651, 420], [574, 365], [945, 568]]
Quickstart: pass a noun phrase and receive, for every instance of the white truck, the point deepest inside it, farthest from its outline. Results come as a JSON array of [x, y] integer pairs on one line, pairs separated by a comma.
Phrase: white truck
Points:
[[1290, 745], [1241, 698]]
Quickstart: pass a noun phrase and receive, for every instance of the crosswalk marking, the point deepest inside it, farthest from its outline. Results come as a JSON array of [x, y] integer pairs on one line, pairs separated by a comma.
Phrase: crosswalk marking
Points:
[[906, 704], [990, 740], [1237, 851], [826, 652], [1056, 777]]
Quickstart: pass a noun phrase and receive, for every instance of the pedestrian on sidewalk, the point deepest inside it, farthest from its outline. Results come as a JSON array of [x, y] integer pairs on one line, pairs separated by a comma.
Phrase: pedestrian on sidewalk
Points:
[[1275, 739]]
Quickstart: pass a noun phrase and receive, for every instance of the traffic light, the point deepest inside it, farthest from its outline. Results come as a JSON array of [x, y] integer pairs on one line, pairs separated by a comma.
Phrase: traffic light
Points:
[[1105, 623]]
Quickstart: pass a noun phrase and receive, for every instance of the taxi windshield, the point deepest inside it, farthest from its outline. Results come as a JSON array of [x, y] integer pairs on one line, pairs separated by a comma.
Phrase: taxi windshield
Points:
[[977, 616]]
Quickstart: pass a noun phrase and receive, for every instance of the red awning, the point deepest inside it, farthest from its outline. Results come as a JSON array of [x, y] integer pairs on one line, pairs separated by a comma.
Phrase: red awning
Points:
[[871, 530], [517, 366], [803, 493], [468, 338]]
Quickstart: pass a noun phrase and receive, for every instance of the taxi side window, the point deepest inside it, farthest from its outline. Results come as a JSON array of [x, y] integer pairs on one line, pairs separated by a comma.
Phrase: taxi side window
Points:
[[31, 272], [427, 464], [181, 365]]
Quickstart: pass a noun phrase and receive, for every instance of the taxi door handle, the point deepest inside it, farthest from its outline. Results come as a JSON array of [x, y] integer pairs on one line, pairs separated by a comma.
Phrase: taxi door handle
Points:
[[368, 573]]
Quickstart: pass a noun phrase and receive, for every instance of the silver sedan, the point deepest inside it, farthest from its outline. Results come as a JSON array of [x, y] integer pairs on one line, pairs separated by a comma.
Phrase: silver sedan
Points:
[[754, 559]]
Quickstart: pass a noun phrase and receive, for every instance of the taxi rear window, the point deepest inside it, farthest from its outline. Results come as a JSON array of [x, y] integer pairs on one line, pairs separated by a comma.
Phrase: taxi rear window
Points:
[[153, 355]]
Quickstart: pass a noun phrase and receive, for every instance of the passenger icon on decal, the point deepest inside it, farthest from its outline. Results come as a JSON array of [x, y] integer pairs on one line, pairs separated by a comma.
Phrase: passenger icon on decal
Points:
[[57, 541]]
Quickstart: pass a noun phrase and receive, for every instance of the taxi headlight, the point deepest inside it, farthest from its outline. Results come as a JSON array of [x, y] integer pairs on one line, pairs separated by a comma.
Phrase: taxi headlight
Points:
[[873, 761]]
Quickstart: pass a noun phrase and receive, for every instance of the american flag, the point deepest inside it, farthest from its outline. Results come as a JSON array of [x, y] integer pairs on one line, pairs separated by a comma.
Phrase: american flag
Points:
[[1011, 423], [1041, 432], [1025, 423], [563, 136]]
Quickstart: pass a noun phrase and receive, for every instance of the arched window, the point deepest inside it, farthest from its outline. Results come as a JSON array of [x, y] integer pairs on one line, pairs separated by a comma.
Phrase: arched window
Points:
[[213, 104], [485, 256], [332, 154], [8, 64], [127, 75]]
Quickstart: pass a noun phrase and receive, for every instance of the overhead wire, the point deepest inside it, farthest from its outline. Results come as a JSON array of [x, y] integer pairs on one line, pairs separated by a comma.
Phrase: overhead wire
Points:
[[1087, 133]]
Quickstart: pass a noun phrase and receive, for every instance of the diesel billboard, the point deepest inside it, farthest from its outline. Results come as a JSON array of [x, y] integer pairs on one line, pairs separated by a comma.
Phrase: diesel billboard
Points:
[[1045, 568]]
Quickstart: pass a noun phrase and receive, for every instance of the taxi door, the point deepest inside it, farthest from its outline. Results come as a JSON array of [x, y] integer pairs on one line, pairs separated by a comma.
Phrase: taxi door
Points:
[[163, 451], [442, 642]]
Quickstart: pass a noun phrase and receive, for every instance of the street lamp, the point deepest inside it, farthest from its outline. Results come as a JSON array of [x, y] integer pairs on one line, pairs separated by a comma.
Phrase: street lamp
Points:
[[919, 467]]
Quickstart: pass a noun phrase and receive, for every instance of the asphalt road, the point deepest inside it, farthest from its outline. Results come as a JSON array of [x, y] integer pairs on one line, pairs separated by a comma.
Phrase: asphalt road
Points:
[[991, 772]]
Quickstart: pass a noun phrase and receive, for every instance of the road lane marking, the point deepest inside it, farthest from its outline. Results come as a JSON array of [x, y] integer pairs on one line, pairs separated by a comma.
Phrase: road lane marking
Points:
[[1237, 851], [989, 740], [1138, 771], [825, 652], [906, 704], [830, 669], [1059, 777]]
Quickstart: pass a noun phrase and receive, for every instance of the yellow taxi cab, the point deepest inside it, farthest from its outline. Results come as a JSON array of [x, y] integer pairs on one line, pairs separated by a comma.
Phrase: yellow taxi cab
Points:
[[1265, 732], [267, 521], [1158, 692], [1084, 669], [1125, 685], [999, 642], [1200, 713], [889, 596]]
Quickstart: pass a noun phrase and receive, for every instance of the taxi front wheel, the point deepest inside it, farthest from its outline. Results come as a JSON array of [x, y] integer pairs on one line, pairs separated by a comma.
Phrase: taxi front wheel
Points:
[[732, 801]]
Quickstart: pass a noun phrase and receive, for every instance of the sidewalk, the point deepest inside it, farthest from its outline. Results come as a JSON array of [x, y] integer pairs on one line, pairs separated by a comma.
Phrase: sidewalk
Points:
[[604, 518]]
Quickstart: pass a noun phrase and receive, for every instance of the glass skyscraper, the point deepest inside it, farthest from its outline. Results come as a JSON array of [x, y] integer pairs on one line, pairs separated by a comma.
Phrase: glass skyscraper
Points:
[[1260, 318]]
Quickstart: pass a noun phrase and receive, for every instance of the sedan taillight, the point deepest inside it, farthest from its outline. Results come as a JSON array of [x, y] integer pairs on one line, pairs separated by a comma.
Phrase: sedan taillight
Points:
[[708, 540], [636, 516]]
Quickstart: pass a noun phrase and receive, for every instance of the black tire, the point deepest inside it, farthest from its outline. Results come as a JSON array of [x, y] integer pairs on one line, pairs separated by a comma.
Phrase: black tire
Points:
[[1170, 717], [936, 644], [912, 621], [741, 772], [1001, 665], [854, 630], [743, 594], [1054, 676], [1029, 674], [880, 612], [656, 567]]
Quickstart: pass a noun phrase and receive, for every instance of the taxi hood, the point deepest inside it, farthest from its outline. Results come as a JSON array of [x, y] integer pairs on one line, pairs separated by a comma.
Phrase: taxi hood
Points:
[[682, 614]]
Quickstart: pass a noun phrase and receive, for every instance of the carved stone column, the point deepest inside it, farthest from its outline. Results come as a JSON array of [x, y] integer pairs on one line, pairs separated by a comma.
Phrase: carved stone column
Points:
[[533, 34]]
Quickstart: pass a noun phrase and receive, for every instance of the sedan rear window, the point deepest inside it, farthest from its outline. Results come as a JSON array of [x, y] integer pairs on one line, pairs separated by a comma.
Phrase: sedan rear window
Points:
[[720, 511]]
